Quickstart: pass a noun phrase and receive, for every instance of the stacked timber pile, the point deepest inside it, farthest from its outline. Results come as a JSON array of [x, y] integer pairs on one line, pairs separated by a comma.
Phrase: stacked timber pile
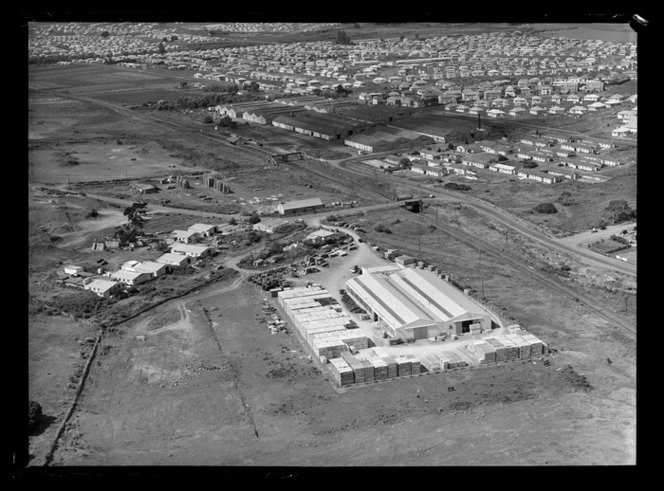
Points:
[[484, 352], [328, 346], [380, 367], [467, 356], [391, 363], [523, 345], [501, 350], [537, 347], [369, 373], [432, 362], [355, 365], [342, 372], [511, 347], [404, 366], [415, 364], [458, 359]]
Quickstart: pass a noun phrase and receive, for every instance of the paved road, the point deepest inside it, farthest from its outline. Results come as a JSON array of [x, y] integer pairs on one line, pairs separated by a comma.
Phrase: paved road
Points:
[[508, 219]]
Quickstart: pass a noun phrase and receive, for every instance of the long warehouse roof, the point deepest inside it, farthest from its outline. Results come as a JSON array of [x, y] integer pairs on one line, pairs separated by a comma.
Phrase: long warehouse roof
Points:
[[410, 297]]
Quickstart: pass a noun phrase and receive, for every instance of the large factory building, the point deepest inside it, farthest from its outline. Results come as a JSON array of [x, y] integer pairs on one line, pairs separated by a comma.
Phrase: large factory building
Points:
[[417, 304]]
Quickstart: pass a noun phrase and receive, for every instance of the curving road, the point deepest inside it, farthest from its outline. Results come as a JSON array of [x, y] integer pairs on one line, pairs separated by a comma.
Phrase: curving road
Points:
[[508, 219]]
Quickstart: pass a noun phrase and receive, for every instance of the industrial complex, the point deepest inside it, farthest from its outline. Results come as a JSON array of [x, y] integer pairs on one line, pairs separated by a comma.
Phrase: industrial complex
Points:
[[428, 326]]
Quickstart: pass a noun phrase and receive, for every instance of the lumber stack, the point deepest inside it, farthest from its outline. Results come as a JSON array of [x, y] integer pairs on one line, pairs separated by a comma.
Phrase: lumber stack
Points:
[[414, 363], [404, 366], [512, 348], [475, 328], [431, 362], [536, 345], [484, 352], [523, 345], [328, 346], [355, 365], [379, 366], [392, 369], [369, 373], [467, 356], [342, 372], [500, 349]]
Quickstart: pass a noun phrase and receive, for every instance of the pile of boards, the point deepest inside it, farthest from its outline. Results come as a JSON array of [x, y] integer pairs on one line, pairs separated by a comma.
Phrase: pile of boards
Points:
[[370, 365], [320, 321]]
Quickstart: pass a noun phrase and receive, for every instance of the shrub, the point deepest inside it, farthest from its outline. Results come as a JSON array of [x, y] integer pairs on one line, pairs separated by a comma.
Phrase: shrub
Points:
[[457, 187], [546, 208], [34, 414], [379, 227], [529, 164]]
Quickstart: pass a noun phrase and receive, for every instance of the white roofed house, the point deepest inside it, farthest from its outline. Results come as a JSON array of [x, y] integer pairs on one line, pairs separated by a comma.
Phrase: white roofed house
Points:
[[596, 106], [517, 111], [556, 110], [204, 229], [503, 168], [578, 110], [537, 110], [131, 278], [185, 236], [151, 267], [320, 235], [173, 260], [495, 113], [191, 250], [103, 287]]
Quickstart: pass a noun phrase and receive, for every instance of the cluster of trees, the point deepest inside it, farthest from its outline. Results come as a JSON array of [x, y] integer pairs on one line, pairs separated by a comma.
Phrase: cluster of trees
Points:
[[335, 93], [343, 38], [202, 101], [529, 164], [620, 211], [34, 414], [382, 228], [566, 199], [545, 208], [457, 187], [129, 231]]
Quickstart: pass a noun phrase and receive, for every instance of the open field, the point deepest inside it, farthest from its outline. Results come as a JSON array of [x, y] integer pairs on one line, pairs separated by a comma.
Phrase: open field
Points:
[[615, 33], [586, 201]]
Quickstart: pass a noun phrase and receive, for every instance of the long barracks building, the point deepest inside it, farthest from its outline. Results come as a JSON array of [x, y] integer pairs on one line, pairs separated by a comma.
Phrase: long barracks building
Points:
[[417, 304]]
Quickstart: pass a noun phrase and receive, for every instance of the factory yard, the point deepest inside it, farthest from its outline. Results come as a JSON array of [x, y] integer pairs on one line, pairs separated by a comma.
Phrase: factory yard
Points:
[[202, 381], [224, 391]]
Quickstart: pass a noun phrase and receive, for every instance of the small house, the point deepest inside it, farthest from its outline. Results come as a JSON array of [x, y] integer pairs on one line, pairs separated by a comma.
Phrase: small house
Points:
[[103, 288]]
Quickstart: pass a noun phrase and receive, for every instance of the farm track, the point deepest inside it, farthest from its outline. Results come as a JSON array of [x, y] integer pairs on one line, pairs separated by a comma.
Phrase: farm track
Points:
[[474, 243]]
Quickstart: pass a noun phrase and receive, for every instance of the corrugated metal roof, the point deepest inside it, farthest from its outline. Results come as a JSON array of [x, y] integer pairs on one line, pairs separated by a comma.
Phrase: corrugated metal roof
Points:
[[304, 203], [411, 298]]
